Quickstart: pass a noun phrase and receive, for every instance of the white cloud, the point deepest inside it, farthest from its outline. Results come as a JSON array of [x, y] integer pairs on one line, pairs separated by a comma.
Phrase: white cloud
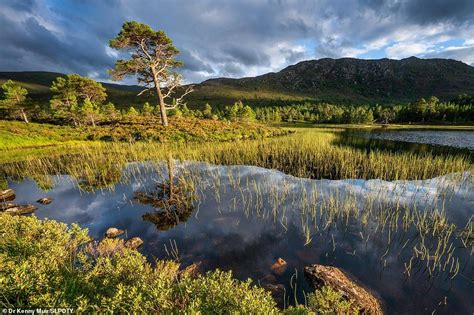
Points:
[[111, 52], [406, 49]]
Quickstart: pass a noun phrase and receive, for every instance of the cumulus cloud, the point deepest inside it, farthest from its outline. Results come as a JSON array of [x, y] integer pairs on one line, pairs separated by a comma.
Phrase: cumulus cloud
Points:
[[233, 38]]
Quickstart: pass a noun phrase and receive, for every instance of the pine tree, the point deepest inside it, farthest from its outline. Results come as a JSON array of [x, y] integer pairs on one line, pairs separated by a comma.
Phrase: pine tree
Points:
[[15, 96]]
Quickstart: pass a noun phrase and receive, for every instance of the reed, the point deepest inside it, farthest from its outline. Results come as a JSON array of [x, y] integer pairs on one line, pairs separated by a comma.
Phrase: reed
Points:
[[309, 154], [413, 224]]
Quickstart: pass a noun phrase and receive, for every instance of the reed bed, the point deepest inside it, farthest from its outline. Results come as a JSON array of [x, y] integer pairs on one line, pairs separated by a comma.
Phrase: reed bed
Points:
[[310, 154], [417, 224]]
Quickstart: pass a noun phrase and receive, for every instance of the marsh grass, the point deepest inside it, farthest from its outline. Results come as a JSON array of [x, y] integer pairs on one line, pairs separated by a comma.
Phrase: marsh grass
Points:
[[416, 224], [309, 154]]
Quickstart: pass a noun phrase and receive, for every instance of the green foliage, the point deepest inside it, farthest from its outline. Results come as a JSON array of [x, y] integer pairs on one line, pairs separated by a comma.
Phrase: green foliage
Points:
[[14, 97], [14, 134], [152, 61], [132, 112], [77, 99], [35, 260], [132, 127], [45, 264], [329, 301], [239, 111], [148, 110], [219, 293], [207, 112], [89, 111], [109, 112], [175, 112], [431, 110]]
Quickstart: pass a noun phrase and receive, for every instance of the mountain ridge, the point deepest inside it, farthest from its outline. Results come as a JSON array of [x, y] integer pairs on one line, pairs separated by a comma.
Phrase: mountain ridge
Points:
[[362, 80], [342, 81]]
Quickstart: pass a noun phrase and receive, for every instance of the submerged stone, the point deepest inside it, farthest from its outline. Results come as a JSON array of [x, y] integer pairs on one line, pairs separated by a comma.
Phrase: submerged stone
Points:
[[7, 195], [113, 232], [279, 266], [134, 242], [337, 279], [45, 201], [270, 283], [21, 210]]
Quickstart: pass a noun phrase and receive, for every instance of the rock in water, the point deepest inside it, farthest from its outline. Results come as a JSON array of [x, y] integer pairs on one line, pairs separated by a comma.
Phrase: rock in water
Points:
[[113, 232], [20, 210], [192, 270], [7, 195], [45, 201], [6, 205], [134, 242], [270, 283], [337, 279], [279, 266]]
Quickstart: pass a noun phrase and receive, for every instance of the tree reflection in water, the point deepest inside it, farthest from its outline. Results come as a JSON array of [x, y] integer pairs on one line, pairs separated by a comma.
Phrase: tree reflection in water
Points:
[[171, 199]]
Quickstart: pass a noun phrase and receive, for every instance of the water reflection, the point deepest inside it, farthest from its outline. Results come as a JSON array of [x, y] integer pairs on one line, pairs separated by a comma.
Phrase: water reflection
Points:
[[243, 218], [440, 142], [172, 200]]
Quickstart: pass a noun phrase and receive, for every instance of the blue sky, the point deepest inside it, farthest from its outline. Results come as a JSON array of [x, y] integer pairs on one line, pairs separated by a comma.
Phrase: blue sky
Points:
[[233, 38]]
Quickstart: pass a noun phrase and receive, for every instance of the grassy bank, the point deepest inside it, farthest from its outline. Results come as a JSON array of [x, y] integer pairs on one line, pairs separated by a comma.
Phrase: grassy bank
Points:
[[15, 134], [47, 264], [310, 154]]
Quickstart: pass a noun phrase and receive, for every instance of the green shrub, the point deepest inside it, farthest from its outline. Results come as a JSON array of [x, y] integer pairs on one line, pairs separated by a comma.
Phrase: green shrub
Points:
[[46, 264], [329, 301]]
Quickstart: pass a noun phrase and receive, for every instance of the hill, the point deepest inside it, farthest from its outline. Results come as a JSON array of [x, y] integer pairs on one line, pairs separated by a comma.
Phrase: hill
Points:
[[348, 80], [342, 81], [38, 83]]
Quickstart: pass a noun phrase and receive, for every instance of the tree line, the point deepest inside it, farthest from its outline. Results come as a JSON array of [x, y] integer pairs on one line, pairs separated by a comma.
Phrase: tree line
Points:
[[82, 101], [431, 110]]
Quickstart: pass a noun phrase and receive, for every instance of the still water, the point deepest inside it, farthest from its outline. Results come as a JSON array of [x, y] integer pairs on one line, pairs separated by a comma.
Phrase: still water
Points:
[[242, 218], [434, 138]]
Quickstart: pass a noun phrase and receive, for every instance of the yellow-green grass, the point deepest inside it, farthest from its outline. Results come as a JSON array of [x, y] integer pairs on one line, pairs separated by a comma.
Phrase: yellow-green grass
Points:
[[308, 153], [16, 134]]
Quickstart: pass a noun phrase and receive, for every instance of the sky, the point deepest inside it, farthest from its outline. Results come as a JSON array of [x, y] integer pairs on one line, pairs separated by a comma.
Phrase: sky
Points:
[[227, 38]]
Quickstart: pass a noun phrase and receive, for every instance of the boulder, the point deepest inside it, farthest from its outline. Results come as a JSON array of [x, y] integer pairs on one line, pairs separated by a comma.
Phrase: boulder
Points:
[[7, 195], [337, 279], [134, 242], [45, 201], [6, 205], [270, 283], [21, 210], [113, 232], [192, 270], [279, 266]]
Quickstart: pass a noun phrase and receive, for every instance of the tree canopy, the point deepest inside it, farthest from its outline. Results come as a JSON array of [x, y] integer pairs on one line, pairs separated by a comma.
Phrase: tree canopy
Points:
[[14, 98], [152, 60], [77, 98]]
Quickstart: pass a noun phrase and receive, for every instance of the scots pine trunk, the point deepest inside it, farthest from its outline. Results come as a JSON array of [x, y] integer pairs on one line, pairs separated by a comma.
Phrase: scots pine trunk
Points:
[[164, 117], [23, 115]]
